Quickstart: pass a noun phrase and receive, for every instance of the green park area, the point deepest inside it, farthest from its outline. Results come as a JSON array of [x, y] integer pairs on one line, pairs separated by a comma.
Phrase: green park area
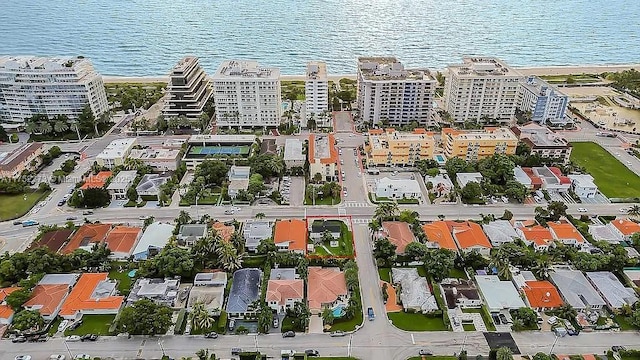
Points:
[[570, 79], [15, 206], [417, 321], [611, 176]]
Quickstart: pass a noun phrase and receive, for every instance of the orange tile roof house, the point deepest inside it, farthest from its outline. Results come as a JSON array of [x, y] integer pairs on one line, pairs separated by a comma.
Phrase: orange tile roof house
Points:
[[625, 228], [542, 295], [566, 233], [470, 237], [121, 241], [225, 231], [291, 235], [48, 296], [6, 312], [283, 294], [399, 233], [325, 287], [537, 235], [86, 236], [92, 294], [96, 181], [438, 234]]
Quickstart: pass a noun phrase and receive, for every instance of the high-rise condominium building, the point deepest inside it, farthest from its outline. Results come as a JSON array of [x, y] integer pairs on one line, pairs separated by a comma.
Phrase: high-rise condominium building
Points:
[[32, 85], [247, 95], [481, 89], [473, 145], [316, 88], [189, 89], [546, 104], [389, 92]]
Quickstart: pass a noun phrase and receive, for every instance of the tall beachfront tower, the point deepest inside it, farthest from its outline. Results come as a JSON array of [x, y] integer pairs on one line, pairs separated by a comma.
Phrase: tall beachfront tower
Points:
[[32, 85], [548, 105], [389, 92], [189, 89], [247, 95], [316, 89], [481, 88]]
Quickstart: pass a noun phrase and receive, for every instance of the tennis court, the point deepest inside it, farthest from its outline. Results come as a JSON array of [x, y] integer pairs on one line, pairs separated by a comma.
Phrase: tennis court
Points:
[[219, 150]]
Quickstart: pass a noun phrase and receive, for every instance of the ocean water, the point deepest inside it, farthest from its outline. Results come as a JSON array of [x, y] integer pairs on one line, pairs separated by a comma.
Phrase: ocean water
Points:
[[146, 38]]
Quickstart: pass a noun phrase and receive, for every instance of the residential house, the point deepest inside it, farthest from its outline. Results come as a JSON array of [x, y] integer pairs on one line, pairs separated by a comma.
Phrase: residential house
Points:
[[116, 152], [519, 277], [245, 291], [160, 291], [53, 240], [397, 189], [218, 278], [208, 289], [25, 157], [238, 180], [614, 293], [225, 231], [97, 181], [326, 287], [415, 294], [542, 295], [552, 178], [322, 156], [160, 159], [583, 186], [93, 294], [86, 237], [439, 236], [442, 185], [500, 232], [189, 234], [269, 146], [634, 276], [576, 289], [464, 178], [121, 241], [255, 231], [624, 228], [498, 294], [291, 235], [120, 184], [604, 233], [6, 311], [151, 184], [469, 237], [283, 274], [293, 155], [539, 236], [399, 233], [566, 233], [544, 142], [521, 176], [50, 293], [283, 294], [153, 240], [460, 293], [319, 227]]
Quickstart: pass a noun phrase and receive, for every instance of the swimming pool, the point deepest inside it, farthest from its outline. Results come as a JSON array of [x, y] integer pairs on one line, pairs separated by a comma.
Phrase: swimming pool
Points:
[[285, 106], [338, 311], [439, 158]]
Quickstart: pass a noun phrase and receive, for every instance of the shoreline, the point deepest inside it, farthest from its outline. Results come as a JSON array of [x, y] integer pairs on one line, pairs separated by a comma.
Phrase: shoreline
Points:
[[529, 70]]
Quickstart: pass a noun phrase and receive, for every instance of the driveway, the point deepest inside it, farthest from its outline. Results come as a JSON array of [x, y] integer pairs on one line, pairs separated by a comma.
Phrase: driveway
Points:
[[315, 325]]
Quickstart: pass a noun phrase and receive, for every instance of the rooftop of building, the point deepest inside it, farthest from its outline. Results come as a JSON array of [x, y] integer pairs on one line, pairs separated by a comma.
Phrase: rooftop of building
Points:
[[47, 298], [489, 133], [243, 69], [38, 63], [539, 136], [564, 230], [379, 139], [86, 236], [542, 294], [500, 231], [18, 156], [438, 232], [389, 68], [499, 294], [57, 279], [292, 231], [150, 183], [468, 234], [540, 87], [540, 235], [582, 180], [123, 180], [117, 148], [575, 288], [96, 181], [93, 291], [225, 231], [53, 240], [154, 153], [221, 139], [399, 233], [322, 147], [293, 150], [5, 310], [626, 226], [122, 239], [281, 290], [482, 66], [245, 290], [324, 286], [407, 186], [316, 70], [156, 235], [614, 292], [184, 64]]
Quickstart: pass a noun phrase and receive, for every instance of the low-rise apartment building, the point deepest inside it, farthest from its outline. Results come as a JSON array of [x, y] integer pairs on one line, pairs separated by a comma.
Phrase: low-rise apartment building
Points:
[[160, 159], [323, 156], [473, 145], [583, 185], [293, 155], [116, 152], [546, 104], [544, 142], [394, 148], [14, 163], [120, 184]]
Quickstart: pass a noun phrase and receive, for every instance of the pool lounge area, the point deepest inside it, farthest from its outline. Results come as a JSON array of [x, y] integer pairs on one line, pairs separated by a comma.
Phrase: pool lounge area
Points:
[[440, 159]]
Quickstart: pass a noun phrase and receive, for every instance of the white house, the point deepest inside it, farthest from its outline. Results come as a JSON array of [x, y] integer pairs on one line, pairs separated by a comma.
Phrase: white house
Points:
[[464, 178], [397, 188], [624, 228], [442, 185], [254, 232], [155, 238], [293, 156], [120, 184], [116, 152], [583, 185]]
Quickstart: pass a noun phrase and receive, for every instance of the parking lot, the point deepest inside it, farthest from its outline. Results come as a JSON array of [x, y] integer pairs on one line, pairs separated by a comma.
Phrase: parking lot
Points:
[[292, 190]]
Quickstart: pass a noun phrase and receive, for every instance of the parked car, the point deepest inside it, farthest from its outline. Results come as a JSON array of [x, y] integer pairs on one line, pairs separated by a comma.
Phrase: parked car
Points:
[[232, 324], [503, 318], [89, 337], [71, 218], [287, 353], [83, 357], [275, 322], [235, 351], [425, 352], [311, 352], [582, 210], [23, 357], [63, 325], [337, 333], [211, 335], [73, 338], [288, 334], [57, 357], [552, 320], [61, 202], [87, 212], [74, 325], [228, 212], [618, 348], [19, 339]]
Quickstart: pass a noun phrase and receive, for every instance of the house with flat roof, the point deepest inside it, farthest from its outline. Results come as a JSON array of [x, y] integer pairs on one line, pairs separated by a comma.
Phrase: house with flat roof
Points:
[[397, 189], [583, 185], [442, 185], [160, 159], [14, 163], [319, 227], [86, 237], [97, 181], [6, 311], [120, 184], [94, 294], [544, 142], [49, 294], [576, 289], [566, 233], [498, 294], [150, 184], [322, 156], [604, 233], [520, 277], [326, 287], [624, 228], [438, 236], [189, 234], [208, 289], [464, 178], [217, 278], [255, 231], [116, 152], [283, 294], [245, 290], [539, 236], [614, 293], [293, 155], [160, 291], [291, 235], [542, 295], [500, 232], [153, 240], [634, 276], [469, 237], [460, 293], [552, 178], [238, 179], [521, 176], [121, 240], [415, 294], [399, 233]]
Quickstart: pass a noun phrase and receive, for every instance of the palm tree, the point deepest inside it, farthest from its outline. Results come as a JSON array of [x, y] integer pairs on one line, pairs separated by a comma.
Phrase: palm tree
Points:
[[500, 261], [183, 217], [327, 316], [542, 267], [260, 215], [45, 127], [228, 256], [238, 241], [31, 127], [634, 210], [60, 126], [374, 226], [386, 210], [200, 316]]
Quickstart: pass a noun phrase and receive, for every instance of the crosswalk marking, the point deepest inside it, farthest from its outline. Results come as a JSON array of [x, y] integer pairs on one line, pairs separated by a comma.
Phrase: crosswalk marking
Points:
[[355, 204], [361, 221]]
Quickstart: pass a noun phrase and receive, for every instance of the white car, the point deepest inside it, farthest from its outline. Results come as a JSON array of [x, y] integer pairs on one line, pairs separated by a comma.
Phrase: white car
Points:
[[624, 210], [83, 357], [57, 357], [63, 325], [23, 357], [582, 210], [73, 338]]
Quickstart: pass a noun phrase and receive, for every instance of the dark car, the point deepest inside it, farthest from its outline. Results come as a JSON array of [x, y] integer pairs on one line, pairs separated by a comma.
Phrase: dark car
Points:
[[236, 351], [74, 325], [618, 348], [312, 352], [61, 202], [70, 218], [288, 334], [19, 339], [503, 318], [211, 335], [89, 337], [17, 222]]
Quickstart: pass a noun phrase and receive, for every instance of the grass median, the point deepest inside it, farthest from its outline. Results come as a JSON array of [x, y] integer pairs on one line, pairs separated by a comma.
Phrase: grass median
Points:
[[15, 206]]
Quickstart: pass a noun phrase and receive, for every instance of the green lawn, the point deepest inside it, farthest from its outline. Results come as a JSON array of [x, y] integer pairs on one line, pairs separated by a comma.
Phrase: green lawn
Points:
[[578, 78], [15, 206], [93, 324], [613, 178], [124, 281], [485, 316], [345, 244], [385, 274], [416, 322], [347, 325], [328, 200], [624, 323], [468, 327], [458, 274]]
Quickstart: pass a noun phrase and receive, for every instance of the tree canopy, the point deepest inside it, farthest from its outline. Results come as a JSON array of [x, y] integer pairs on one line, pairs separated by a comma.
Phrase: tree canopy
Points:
[[144, 317], [214, 172]]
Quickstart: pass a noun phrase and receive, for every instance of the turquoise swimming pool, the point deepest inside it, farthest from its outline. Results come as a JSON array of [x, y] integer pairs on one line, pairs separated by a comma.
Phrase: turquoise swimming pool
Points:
[[338, 311]]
